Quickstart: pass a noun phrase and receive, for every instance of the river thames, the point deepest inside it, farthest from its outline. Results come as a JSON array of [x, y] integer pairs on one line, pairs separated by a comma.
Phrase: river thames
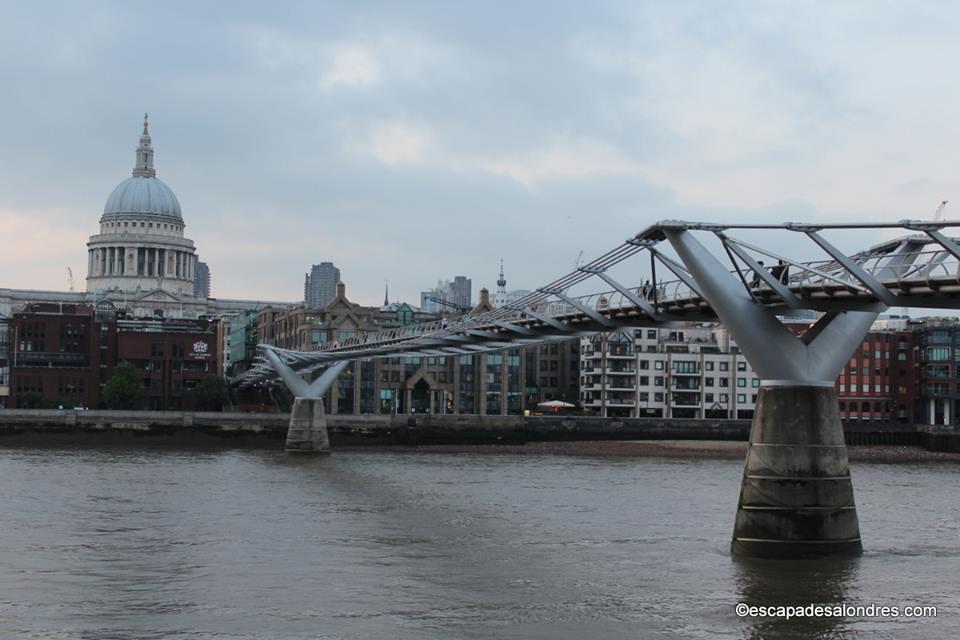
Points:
[[372, 545]]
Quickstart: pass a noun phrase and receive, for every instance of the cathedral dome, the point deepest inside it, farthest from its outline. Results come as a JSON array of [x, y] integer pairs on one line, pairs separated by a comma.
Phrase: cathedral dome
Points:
[[143, 195]]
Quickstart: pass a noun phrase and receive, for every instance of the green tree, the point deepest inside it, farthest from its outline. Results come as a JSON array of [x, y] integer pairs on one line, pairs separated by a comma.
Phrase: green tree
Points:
[[210, 394], [29, 400], [122, 390]]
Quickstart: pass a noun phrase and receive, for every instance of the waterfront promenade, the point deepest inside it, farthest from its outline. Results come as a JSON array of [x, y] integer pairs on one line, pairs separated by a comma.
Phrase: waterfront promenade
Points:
[[234, 429]]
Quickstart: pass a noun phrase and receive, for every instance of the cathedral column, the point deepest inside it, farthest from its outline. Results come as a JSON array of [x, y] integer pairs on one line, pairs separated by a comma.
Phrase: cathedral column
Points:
[[89, 262]]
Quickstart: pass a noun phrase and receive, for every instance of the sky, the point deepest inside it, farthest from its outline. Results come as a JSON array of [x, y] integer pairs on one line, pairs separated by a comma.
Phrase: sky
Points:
[[414, 141]]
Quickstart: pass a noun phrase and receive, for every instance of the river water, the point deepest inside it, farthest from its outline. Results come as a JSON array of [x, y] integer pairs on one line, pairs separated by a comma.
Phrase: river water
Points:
[[394, 545]]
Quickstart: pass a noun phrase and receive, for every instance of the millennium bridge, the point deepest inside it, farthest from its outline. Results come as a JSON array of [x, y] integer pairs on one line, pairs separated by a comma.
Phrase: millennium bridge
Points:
[[796, 497]]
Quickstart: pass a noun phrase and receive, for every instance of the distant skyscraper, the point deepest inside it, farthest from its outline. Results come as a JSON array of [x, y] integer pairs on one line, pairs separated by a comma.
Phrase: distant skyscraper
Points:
[[201, 282], [447, 296], [320, 285], [460, 290]]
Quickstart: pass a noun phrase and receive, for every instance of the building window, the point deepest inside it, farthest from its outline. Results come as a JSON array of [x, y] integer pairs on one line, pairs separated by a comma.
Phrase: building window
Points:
[[724, 366], [741, 398], [644, 364], [658, 397], [741, 382], [658, 365], [741, 366], [708, 382], [755, 382], [708, 365]]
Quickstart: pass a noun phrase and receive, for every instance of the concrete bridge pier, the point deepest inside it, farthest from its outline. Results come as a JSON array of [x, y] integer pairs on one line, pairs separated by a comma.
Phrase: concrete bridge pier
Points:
[[796, 498], [307, 432]]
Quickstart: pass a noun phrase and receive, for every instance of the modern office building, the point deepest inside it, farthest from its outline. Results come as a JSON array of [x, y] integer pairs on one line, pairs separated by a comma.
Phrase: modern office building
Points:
[[4, 360], [320, 285], [693, 372], [936, 354], [201, 284]]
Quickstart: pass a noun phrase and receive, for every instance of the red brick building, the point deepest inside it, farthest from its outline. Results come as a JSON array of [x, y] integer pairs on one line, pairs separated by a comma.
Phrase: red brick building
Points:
[[879, 382], [62, 355]]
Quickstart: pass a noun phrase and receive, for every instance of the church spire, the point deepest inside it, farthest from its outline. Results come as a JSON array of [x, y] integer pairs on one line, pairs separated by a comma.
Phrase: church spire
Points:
[[386, 293], [144, 165]]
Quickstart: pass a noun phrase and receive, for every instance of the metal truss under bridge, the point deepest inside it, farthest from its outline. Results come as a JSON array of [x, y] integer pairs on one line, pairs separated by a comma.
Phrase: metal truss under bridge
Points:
[[741, 283]]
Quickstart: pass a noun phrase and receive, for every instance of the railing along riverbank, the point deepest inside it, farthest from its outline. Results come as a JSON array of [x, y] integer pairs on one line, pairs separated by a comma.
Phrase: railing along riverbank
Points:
[[37, 427]]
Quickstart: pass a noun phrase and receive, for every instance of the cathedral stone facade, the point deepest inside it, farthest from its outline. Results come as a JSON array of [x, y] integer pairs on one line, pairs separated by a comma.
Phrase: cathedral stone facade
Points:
[[141, 252], [140, 260]]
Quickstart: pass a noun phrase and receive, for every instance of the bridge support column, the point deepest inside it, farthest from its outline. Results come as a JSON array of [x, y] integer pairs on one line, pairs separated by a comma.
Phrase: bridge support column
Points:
[[307, 432], [796, 498]]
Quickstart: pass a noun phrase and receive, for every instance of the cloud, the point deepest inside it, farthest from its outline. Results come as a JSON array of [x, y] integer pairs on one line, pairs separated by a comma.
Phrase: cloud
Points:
[[565, 157], [344, 129], [351, 65], [47, 246], [411, 144], [395, 143]]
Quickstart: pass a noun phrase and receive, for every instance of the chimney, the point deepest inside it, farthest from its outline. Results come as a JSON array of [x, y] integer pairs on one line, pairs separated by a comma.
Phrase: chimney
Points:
[[341, 290]]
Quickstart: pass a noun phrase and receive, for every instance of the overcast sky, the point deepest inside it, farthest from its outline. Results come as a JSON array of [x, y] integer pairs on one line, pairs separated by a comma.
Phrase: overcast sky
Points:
[[417, 141]]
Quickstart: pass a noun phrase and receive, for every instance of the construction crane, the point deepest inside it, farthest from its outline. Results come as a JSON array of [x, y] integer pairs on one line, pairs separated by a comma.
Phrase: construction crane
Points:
[[446, 303], [939, 214], [70, 277]]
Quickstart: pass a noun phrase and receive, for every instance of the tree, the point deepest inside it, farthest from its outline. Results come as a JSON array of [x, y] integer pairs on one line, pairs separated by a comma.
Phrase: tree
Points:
[[29, 400], [210, 394], [122, 390]]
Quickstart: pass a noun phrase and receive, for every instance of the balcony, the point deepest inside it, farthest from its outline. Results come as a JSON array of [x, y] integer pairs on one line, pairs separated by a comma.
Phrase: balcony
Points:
[[51, 359], [625, 371], [938, 391]]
